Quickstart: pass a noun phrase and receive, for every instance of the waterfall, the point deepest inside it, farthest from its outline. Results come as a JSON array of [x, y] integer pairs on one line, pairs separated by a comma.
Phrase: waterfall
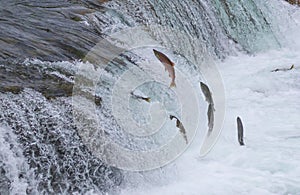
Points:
[[219, 25], [37, 128]]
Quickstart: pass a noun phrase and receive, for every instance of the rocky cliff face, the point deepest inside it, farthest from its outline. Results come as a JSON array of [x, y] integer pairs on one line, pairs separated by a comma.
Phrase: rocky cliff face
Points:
[[294, 2]]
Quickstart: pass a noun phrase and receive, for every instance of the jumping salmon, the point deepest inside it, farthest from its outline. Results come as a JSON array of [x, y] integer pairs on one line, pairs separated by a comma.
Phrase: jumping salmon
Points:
[[240, 129], [181, 128], [169, 65], [147, 99], [283, 69], [211, 108]]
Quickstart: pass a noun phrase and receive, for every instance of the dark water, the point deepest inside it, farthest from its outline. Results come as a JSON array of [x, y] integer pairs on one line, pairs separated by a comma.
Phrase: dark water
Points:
[[46, 30], [66, 31]]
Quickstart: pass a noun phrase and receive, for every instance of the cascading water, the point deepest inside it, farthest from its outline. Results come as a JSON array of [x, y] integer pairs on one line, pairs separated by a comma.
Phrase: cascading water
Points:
[[41, 148]]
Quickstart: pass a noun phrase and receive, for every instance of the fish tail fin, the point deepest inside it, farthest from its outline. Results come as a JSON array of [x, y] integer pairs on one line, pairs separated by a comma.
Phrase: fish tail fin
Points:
[[148, 100], [292, 67], [186, 140], [172, 84]]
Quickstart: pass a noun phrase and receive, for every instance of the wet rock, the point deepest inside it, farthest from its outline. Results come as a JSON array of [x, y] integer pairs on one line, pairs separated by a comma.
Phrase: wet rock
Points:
[[294, 2]]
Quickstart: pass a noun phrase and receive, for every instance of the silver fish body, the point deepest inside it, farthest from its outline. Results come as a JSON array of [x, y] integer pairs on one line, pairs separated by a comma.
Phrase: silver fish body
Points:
[[283, 69], [206, 92], [210, 111], [147, 99], [181, 127], [240, 129]]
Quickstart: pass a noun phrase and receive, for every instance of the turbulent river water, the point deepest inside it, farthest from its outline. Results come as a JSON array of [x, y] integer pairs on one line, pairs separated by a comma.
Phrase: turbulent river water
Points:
[[43, 44]]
